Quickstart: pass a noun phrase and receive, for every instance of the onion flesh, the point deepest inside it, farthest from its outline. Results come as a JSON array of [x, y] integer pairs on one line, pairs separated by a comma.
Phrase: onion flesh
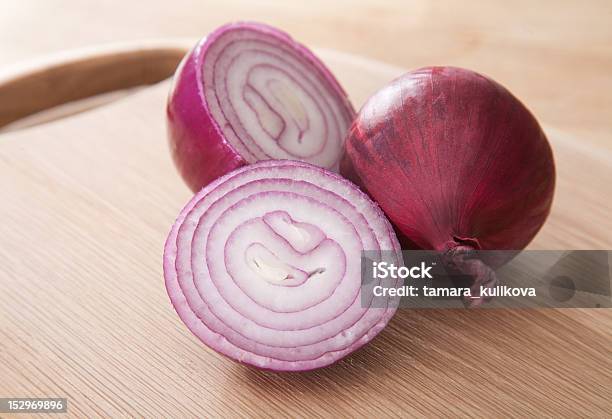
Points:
[[456, 162], [264, 266], [248, 92]]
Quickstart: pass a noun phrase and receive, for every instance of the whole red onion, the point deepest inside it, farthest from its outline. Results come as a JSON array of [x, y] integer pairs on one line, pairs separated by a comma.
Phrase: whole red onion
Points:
[[248, 92], [455, 161], [264, 266]]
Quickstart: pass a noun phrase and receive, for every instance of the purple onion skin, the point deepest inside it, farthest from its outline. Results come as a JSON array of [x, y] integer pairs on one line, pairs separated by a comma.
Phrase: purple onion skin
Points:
[[199, 149], [454, 160]]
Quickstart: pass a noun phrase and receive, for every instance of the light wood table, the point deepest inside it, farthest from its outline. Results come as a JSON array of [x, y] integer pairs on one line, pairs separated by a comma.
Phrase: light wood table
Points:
[[556, 55]]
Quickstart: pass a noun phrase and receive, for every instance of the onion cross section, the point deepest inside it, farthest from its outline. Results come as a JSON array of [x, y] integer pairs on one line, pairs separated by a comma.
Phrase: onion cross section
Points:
[[264, 266], [248, 92]]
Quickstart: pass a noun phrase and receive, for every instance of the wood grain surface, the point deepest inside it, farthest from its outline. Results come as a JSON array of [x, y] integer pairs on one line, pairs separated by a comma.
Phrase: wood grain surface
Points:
[[556, 55], [76, 75], [86, 204]]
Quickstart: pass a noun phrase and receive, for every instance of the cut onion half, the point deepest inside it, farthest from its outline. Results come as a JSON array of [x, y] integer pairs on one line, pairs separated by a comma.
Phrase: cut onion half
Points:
[[264, 266], [249, 92]]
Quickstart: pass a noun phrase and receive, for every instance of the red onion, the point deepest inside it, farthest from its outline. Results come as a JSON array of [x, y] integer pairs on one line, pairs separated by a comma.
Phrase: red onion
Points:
[[248, 92], [264, 266], [456, 162]]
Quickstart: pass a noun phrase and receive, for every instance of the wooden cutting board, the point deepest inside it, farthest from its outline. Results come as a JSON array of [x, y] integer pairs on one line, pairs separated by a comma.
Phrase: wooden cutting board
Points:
[[87, 202]]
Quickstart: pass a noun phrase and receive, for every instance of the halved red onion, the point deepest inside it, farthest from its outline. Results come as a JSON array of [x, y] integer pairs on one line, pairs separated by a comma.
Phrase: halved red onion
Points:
[[264, 266], [248, 92]]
